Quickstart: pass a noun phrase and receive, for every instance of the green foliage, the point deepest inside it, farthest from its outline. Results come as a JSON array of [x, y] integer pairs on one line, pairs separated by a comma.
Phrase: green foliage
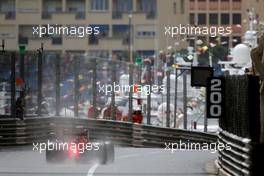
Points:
[[218, 53]]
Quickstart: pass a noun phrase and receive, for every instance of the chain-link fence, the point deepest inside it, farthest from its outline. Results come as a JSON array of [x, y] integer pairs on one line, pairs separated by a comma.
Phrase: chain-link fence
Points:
[[242, 107], [74, 84]]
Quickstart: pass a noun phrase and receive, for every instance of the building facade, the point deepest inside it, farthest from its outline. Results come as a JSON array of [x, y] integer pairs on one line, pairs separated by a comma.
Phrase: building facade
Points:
[[233, 13], [114, 18]]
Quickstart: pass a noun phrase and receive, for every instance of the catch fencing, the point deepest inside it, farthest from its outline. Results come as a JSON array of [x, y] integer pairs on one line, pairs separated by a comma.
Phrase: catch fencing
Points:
[[240, 125]]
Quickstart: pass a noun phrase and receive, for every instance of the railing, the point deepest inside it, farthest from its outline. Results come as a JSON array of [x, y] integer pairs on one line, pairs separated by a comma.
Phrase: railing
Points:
[[15, 132], [117, 15]]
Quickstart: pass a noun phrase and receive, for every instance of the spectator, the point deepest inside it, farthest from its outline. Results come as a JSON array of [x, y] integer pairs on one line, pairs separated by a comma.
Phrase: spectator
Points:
[[20, 106]]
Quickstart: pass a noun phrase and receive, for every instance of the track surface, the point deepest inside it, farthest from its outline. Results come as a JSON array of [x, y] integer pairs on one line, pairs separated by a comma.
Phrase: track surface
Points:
[[128, 162]]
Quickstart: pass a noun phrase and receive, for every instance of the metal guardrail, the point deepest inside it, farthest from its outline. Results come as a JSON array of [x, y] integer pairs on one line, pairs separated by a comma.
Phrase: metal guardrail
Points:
[[237, 160], [15, 132], [157, 136]]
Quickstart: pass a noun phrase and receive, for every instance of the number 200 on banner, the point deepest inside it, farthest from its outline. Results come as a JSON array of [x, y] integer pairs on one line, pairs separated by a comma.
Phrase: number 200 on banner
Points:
[[215, 97]]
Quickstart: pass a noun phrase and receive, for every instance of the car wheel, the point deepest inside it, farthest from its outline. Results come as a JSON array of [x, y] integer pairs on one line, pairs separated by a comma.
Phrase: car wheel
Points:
[[54, 156]]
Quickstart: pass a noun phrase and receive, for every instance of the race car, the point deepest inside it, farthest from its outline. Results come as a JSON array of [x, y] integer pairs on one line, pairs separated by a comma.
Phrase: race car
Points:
[[80, 148]]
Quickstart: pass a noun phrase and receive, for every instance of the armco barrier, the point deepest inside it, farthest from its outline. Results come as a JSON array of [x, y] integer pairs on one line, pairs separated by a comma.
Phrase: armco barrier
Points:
[[16, 132], [237, 160]]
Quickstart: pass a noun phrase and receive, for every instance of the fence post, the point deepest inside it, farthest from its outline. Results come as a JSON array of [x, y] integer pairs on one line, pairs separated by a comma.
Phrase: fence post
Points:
[[40, 57], [76, 85], [13, 85], [175, 96], [130, 98], [94, 88], [149, 82], [22, 62], [168, 99], [113, 110], [57, 70], [185, 100]]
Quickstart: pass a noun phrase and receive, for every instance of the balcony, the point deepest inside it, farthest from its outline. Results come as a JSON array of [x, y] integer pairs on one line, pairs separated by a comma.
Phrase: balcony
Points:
[[77, 7], [49, 7], [117, 15], [192, 5], [151, 15], [225, 6], [202, 5], [56, 40], [236, 5], [22, 40], [213, 5], [149, 7], [28, 6], [121, 6], [11, 15], [93, 40], [47, 15], [8, 8]]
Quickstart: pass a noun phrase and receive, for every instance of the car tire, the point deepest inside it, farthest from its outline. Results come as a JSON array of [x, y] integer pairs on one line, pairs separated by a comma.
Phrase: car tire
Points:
[[54, 156], [107, 154], [110, 152]]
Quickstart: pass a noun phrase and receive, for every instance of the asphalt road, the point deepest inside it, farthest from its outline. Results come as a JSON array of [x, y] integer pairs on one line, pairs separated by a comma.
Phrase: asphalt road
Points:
[[128, 162]]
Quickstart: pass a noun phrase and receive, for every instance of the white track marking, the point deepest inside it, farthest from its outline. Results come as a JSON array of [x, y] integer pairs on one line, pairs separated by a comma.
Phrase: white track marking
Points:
[[92, 170]]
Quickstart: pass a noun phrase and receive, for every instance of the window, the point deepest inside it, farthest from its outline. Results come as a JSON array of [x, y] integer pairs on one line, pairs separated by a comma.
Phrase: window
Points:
[[182, 6], [8, 7], [98, 53], [192, 18], [236, 18], [147, 5], [225, 19], [174, 7], [201, 19], [213, 19], [122, 5], [146, 34], [57, 40], [121, 31], [99, 4]]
